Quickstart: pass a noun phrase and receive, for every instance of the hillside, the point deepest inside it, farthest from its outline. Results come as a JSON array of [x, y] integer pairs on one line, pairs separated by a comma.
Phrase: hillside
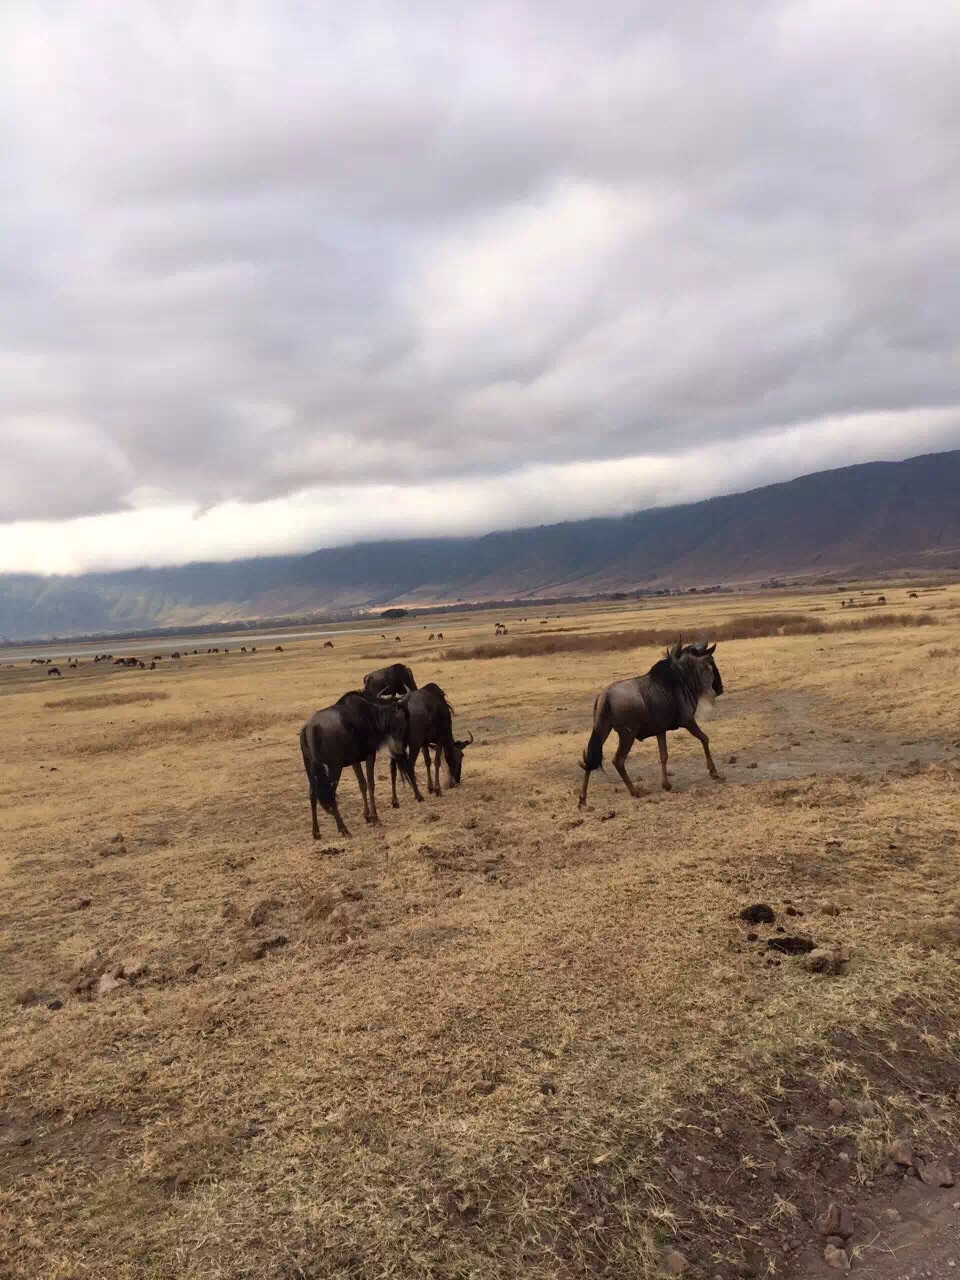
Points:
[[876, 516]]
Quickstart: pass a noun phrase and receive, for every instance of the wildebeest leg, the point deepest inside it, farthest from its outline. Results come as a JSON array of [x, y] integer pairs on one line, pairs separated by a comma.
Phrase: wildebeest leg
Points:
[[372, 788], [662, 745], [362, 782], [626, 741], [437, 753], [698, 733], [393, 784], [426, 760], [334, 776]]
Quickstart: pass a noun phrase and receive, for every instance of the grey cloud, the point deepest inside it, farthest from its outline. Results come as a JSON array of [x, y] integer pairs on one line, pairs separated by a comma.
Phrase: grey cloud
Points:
[[253, 251]]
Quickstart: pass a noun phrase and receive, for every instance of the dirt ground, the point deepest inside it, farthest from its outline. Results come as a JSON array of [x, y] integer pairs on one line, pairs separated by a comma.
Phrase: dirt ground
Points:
[[494, 1036]]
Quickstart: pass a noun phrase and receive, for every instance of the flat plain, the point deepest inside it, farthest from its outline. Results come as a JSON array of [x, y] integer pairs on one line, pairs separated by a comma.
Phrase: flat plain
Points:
[[493, 1036]]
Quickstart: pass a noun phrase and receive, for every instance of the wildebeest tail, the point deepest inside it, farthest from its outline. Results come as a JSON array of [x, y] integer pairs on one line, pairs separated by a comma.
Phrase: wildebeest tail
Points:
[[593, 755]]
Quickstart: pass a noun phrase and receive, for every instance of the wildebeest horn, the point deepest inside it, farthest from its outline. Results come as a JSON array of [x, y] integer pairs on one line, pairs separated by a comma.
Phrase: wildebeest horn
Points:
[[677, 649], [468, 743], [711, 650]]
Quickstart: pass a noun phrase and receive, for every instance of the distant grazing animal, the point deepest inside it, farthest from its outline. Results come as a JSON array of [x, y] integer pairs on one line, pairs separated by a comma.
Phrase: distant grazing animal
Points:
[[431, 636], [254, 649], [389, 681], [881, 599], [243, 648], [175, 655], [53, 671], [430, 720], [328, 644], [278, 648], [153, 665], [666, 698], [351, 732], [157, 657], [439, 635], [397, 638], [913, 596]]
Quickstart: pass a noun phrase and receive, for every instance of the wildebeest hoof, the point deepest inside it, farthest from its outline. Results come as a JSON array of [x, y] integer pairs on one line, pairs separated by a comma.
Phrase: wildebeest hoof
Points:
[[419, 799], [718, 777], [394, 804], [667, 786]]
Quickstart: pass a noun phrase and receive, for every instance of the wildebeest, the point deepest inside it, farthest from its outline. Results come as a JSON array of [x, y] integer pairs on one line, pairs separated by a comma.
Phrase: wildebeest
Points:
[[881, 599], [439, 635], [389, 681], [431, 636], [328, 644], [53, 671], [666, 698], [430, 724], [351, 732], [278, 648], [397, 638], [913, 596], [243, 648], [175, 655]]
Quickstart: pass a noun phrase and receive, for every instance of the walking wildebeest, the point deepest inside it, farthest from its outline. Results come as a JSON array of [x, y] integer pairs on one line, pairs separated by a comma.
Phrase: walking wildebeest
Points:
[[666, 698], [430, 724], [328, 644], [389, 681], [351, 732], [53, 671]]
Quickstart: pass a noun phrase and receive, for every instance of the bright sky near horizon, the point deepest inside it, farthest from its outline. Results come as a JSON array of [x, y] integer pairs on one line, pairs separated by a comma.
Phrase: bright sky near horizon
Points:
[[278, 276]]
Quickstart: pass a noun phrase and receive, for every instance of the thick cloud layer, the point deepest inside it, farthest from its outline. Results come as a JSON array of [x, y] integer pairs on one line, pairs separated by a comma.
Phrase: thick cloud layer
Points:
[[312, 272]]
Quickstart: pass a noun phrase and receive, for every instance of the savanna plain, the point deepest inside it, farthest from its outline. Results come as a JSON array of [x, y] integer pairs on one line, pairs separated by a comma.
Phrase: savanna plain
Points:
[[494, 1036]]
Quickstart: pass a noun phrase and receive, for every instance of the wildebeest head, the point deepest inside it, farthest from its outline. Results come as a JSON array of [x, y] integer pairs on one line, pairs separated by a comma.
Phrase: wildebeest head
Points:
[[456, 764], [699, 663]]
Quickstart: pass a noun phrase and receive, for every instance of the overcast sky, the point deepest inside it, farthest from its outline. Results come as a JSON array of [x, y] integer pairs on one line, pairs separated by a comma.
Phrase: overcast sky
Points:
[[276, 276]]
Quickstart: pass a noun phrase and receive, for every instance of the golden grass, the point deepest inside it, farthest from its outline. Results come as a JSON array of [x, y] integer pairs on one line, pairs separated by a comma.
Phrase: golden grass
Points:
[[129, 698], [753, 627], [481, 1029]]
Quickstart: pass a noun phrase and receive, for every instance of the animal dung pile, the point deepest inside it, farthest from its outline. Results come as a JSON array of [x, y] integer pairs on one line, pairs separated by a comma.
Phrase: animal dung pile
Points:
[[825, 958]]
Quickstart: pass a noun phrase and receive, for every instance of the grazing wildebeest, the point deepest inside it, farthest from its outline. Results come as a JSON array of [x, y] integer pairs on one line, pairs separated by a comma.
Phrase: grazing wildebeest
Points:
[[278, 648], [53, 671], [328, 644], [439, 635], [243, 648], [913, 596], [175, 655], [389, 681], [431, 636], [351, 732], [397, 638], [430, 721], [666, 698], [881, 599]]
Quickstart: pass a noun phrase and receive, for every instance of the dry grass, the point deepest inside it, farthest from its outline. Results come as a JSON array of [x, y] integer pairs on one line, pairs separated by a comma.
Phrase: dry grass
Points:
[[129, 698], [752, 627], [483, 1032]]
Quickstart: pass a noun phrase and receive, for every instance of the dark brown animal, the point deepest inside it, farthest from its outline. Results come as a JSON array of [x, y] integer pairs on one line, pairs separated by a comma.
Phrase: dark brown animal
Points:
[[389, 681], [351, 732], [328, 644], [663, 700], [53, 671], [430, 724], [278, 648]]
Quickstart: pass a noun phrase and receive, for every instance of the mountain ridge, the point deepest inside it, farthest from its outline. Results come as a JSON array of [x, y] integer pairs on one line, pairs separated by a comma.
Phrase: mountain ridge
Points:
[[858, 519]]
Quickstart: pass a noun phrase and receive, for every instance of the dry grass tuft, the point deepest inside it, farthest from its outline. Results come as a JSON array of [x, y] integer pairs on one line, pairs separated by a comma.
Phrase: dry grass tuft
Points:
[[93, 700]]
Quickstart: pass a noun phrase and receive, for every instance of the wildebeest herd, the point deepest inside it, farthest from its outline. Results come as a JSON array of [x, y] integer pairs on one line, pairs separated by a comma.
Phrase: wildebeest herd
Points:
[[392, 711]]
